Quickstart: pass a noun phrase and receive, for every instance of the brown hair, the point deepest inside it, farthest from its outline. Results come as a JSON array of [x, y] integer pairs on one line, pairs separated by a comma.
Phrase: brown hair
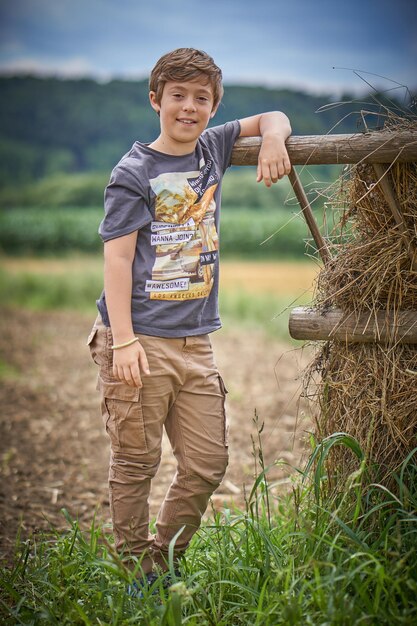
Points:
[[186, 64]]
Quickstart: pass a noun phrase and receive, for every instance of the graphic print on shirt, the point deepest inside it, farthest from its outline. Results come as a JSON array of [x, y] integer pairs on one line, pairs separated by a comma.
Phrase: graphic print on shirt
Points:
[[184, 234]]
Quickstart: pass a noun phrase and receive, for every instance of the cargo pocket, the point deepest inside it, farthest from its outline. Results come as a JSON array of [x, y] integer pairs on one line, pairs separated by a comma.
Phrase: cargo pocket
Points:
[[94, 346], [99, 342], [224, 392], [123, 416]]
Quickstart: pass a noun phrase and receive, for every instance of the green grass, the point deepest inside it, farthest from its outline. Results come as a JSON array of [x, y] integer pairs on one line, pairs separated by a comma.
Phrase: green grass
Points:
[[313, 556]]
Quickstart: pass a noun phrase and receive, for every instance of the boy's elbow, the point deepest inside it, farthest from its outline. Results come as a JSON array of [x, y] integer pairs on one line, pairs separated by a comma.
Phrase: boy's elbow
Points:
[[285, 123], [280, 120]]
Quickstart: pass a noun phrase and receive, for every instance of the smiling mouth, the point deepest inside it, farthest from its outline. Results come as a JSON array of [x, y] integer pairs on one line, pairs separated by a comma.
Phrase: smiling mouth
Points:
[[186, 122]]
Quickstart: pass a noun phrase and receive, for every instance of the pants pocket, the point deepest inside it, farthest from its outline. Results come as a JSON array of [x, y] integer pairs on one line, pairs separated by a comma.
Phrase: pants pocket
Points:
[[123, 417], [224, 393], [97, 343]]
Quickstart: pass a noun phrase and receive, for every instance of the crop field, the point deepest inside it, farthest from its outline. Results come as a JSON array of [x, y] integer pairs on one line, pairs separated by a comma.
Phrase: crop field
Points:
[[280, 278], [251, 292], [287, 278]]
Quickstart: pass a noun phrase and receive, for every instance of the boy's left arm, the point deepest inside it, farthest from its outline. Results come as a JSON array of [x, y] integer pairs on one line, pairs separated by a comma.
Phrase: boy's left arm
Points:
[[274, 127]]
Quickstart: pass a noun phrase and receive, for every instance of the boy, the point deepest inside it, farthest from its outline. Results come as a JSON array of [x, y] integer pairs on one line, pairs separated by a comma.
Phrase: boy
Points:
[[159, 304]]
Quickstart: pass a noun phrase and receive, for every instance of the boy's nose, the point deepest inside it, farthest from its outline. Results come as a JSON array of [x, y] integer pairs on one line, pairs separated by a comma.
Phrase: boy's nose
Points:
[[189, 105]]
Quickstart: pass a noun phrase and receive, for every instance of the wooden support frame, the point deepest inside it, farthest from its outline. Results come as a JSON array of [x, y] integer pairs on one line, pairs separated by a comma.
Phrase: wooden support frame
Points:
[[378, 148], [384, 181], [383, 146], [335, 324], [308, 215]]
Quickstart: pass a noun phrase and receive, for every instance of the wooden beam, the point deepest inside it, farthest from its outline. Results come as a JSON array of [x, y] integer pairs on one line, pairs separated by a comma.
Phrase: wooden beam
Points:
[[383, 146], [308, 215], [372, 327]]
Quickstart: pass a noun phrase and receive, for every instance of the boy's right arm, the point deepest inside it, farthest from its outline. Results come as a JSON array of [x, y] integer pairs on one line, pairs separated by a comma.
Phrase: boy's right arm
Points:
[[130, 362]]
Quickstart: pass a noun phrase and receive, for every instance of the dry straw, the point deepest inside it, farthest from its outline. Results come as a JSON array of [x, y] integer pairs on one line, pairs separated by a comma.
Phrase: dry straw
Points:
[[369, 390]]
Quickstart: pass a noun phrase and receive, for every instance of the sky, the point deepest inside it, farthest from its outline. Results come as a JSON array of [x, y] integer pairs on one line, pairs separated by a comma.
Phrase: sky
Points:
[[321, 46]]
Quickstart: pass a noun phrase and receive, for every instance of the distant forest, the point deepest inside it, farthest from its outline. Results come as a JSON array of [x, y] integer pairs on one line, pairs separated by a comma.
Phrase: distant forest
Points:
[[51, 125]]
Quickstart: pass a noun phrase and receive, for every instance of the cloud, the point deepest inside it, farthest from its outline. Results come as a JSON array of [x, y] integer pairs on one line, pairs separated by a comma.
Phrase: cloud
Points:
[[281, 42], [74, 67]]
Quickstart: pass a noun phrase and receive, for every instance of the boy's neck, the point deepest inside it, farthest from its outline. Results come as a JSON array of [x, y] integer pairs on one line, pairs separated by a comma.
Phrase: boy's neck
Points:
[[173, 148]]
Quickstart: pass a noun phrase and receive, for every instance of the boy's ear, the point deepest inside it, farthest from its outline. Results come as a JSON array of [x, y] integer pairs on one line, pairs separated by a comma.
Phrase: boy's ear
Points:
[[214, 111], [154, 104]]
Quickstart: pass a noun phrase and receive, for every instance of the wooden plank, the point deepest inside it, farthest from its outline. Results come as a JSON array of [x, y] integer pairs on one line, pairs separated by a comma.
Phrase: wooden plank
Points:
[[308, 215], [372, 327], [383, 146]]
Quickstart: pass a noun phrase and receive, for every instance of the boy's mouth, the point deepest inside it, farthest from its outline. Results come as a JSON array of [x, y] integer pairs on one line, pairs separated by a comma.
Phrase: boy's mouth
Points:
[[186, 121]]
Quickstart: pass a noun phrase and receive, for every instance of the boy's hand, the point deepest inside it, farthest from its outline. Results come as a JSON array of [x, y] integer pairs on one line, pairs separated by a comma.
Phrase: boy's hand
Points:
[[130, 363], [274, 127], [273, 160]]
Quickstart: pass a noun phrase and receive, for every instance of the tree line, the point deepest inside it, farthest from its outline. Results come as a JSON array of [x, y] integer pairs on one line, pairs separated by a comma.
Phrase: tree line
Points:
[[50, 125]]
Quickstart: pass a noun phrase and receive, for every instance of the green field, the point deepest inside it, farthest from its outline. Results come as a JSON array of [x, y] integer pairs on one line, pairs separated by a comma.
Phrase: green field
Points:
[[245, 232], [60, 214]]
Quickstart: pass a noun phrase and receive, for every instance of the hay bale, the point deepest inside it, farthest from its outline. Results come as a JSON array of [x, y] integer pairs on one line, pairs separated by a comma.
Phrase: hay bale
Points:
[[369, 390]]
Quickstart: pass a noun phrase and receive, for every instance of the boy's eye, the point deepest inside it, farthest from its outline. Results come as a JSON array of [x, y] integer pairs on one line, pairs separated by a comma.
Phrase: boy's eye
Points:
[[202, 99]]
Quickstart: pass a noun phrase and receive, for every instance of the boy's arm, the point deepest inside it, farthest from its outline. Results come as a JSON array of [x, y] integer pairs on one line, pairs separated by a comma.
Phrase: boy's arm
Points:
[[274, 127], [130, 361]]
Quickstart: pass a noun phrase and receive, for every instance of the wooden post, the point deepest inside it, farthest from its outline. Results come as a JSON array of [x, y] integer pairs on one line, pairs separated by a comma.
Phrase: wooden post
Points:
[[308, 215], [382, 172], [383, 146], [375, 327]]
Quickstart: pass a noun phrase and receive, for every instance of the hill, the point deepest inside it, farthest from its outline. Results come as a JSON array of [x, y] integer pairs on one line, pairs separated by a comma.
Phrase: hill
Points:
[[50, 125]]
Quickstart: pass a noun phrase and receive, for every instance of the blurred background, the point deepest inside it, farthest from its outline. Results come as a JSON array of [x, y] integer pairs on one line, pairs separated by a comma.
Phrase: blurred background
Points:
[[73, 85], [73, 99]]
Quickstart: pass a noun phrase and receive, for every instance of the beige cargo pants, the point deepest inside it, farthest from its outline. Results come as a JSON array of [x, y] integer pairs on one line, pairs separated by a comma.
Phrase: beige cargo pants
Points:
[[185, 394]]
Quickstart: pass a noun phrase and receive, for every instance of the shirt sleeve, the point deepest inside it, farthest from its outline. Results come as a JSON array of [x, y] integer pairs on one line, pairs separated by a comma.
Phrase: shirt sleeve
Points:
[[221, 139], [125, 205]]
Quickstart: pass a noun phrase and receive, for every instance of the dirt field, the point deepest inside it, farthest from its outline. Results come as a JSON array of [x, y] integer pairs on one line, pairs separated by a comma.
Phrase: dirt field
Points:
[[53, 449]]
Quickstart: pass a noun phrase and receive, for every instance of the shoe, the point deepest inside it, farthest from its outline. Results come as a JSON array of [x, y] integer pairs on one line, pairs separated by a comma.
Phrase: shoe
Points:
[[137, 588], [167, 581]]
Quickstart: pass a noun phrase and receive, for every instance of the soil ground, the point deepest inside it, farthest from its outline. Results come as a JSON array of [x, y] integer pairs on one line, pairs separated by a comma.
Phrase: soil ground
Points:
[[53, 448]]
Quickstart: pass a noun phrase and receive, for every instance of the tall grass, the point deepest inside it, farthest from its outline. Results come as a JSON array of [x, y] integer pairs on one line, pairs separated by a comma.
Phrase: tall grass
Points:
[[309, 557]]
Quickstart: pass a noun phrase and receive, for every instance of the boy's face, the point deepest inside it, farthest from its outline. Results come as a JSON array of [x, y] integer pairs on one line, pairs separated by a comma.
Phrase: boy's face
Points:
[[185, 110]]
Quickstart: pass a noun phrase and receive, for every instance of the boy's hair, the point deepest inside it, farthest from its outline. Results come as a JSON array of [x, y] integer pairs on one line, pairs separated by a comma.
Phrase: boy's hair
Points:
[[186, 64]]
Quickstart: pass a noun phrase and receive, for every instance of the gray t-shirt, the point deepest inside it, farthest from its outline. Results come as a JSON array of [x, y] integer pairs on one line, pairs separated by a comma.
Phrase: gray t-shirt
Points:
[[174, 204]]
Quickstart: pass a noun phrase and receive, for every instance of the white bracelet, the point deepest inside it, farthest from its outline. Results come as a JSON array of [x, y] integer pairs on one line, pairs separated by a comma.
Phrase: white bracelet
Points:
[[124, 345]]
